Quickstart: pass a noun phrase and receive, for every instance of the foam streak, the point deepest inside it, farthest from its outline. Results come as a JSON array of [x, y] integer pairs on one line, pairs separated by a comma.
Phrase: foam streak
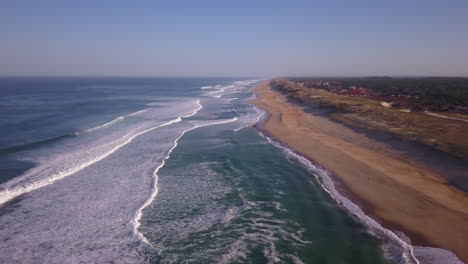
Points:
[[154, 193], [115, 120], [9, 194], [327, 185], [200, 106]]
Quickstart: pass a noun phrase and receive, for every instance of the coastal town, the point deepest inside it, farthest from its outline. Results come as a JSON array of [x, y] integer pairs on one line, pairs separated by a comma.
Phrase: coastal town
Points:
[[401, 100]]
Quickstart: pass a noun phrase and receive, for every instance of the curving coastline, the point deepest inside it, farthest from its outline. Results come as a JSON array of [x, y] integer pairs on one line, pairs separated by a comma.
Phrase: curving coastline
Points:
[[401, 195]]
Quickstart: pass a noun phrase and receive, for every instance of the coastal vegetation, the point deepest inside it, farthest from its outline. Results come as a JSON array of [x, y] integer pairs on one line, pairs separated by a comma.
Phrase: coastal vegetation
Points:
[[438, 132], [434, 92], [392, 186]]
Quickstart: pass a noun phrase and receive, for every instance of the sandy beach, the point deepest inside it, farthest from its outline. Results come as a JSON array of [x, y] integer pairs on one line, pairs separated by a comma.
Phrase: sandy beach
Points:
[[398, 193]]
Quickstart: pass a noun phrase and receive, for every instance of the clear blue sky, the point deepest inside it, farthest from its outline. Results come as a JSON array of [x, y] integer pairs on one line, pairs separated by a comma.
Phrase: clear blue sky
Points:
[[234, 38]]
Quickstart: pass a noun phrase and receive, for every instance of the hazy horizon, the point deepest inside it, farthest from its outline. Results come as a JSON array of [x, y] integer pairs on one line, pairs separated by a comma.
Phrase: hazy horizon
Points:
[[230, 77], [213, 39]]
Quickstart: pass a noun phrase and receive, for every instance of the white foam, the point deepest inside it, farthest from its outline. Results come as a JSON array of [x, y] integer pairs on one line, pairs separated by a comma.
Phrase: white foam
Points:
[[217, 91], [429, 255], [136, 221], [200, 106], [296, 259], [8, 194], [211, 87], [220, 90], [260, 113], [115, 120], [247, 82], [102, 126], [327, 184], [138, 112], [242, 127]]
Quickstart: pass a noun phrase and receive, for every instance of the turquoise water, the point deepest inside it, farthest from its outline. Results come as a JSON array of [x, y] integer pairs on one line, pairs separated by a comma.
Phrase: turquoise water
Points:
[[233, 198], [163, 171]]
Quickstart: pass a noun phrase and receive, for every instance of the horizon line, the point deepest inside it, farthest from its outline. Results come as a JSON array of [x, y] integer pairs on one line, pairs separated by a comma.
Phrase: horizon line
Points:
[[221, 76]]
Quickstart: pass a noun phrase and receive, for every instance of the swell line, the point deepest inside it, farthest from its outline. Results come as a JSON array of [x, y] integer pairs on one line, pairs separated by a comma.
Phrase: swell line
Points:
[[9, 194], [154, 193], [115, 120], [33, 144], [200, 106], [39, 143], [229, 100]]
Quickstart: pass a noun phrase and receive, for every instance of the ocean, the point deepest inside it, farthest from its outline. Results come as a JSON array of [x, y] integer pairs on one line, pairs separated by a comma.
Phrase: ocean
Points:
[[165, 170]]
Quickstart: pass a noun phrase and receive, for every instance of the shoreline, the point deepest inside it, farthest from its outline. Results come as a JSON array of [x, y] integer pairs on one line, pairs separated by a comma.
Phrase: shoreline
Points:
[[452, 169], [421, 206]]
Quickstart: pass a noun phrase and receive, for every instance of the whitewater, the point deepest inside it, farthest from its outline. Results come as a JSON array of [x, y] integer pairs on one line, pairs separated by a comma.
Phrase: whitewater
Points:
[[174, 176], [74, 163]]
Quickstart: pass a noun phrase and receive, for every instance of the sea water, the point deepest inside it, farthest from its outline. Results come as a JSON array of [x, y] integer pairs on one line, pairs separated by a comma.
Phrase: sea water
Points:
[[167, 170]]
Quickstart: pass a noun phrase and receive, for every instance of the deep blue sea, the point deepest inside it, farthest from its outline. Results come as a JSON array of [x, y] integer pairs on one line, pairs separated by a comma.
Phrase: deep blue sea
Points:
[[166, 170]]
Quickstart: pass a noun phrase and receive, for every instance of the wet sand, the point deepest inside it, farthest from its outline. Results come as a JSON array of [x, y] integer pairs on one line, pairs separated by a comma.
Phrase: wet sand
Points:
[[399, 193]]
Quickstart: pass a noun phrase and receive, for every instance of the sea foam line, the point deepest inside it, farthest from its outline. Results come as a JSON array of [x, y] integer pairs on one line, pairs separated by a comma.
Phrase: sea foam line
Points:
[[242, 127], [259, 118], [220, 90], [115, 120], [103, 125], [8, 194], [137, 219], [229, 100], [200, 106], [328, 186], [216, 92]]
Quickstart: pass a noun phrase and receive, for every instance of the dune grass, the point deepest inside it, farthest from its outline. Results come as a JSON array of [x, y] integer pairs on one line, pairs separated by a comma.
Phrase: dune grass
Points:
[[443, 134]]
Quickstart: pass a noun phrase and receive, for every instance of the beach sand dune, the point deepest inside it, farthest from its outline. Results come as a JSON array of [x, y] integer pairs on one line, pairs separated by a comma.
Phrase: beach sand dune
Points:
[[397, 192]]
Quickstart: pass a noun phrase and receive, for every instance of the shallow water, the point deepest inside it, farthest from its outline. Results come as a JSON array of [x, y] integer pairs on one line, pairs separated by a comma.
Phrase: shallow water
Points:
[[162, 171]]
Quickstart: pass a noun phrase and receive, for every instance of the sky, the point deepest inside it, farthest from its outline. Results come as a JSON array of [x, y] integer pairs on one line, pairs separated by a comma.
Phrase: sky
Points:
[[234, 38]]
